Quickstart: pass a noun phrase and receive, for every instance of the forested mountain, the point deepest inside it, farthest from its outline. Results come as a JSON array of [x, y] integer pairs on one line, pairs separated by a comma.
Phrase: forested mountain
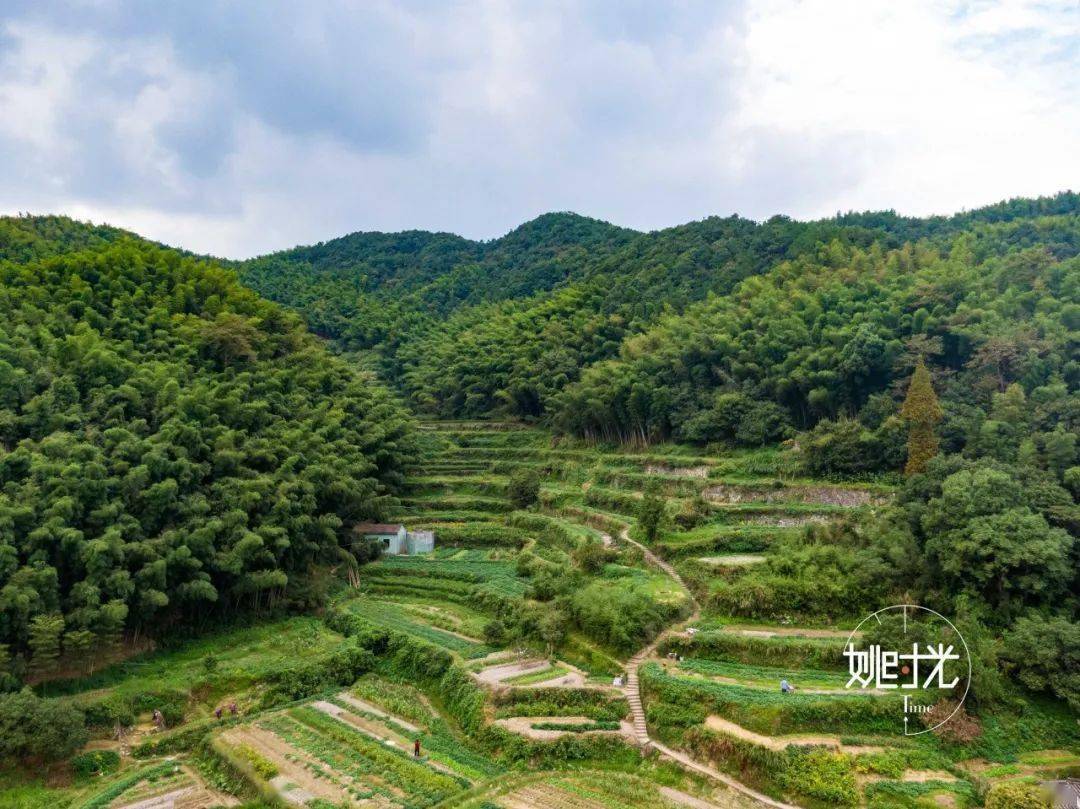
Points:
[[470, 328], [719, 330], [171, 446], [366, 288]]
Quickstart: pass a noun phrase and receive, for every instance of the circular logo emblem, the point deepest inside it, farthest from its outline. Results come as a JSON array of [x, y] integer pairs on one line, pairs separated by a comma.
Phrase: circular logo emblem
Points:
[[913, 651]]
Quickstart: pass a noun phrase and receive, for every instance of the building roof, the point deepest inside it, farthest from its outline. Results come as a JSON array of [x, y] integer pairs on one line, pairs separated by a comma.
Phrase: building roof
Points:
[[1066, 792], [377, 528]]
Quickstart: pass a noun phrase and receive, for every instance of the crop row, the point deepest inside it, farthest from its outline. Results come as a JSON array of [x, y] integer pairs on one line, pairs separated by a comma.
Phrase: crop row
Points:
[[119, 787], [438, 744], [350, 752], [456, 503], [391, 616], [746, 671], [496, 576]]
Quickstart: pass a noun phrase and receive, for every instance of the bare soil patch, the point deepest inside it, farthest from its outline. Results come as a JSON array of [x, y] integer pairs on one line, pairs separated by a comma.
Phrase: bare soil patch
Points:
[[167, 800], [733, 560], [785, 631], [922, 776], [495, 675], [289, 762]]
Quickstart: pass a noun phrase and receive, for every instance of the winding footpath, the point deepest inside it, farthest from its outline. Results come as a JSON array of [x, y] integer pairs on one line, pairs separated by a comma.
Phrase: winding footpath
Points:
[[633, 688]]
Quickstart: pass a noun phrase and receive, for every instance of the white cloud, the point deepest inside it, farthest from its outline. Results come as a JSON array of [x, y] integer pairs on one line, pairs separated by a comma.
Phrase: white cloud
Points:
[[235, 132], [947, 122]]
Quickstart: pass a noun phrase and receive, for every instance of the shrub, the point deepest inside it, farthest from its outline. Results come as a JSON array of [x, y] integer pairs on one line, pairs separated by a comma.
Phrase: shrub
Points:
[[822, 774], [961, 727], [523, 488], [842, 448], [110, 711], [95, 762], [264, 768], [1017, 795], [651, 513], [1044, 655], [307, 677], [32, 727]]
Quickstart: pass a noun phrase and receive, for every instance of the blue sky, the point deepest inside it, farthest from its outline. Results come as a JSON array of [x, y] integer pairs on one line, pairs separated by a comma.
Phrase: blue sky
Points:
[[240, 128]]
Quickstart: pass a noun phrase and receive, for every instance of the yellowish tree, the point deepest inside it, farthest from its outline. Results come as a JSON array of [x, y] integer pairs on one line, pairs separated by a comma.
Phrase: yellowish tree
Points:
[[922, 411]]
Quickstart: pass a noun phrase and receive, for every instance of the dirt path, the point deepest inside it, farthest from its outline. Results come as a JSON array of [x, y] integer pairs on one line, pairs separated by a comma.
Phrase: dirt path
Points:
[[633, 691], [779, 743], [571, 679], [376, 731], [703, 769], [786, 521], [500, 675], [785, 632]]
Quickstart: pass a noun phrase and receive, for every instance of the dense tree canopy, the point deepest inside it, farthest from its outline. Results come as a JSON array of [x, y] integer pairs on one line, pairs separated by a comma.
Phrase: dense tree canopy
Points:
[[719, 330], [171, 445], [823, 334], [468, 329]]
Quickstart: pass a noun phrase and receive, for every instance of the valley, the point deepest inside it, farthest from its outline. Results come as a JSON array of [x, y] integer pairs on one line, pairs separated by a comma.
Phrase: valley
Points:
[[667, 475]]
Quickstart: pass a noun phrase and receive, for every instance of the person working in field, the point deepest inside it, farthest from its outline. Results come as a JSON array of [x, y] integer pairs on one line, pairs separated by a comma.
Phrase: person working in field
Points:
[[416, 747], [786, 687]]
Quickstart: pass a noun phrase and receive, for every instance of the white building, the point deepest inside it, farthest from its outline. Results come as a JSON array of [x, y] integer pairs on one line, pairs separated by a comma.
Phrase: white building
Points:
[[396, 539]]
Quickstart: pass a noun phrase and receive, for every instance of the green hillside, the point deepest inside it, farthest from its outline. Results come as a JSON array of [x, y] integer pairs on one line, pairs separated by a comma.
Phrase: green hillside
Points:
[[172, 447], [796, 321]]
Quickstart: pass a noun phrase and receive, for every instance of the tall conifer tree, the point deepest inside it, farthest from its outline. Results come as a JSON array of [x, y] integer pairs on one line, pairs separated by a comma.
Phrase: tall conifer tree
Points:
[[922, 411]]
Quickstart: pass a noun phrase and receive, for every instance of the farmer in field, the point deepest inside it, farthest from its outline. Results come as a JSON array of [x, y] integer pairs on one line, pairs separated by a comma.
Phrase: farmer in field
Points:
[[786, 687], [416, 747]]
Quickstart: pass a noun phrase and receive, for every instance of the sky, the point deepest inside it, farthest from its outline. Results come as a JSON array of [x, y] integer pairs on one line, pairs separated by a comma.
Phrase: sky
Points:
[[238, 128]]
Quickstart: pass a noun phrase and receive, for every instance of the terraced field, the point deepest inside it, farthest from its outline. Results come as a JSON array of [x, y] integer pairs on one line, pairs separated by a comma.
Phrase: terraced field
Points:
[[596, 790], [715, 705], [579, 642], [344, 749]]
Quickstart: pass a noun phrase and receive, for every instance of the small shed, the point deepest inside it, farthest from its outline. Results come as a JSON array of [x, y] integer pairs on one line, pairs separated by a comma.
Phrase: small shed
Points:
[[396, 539], [420, 541]]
